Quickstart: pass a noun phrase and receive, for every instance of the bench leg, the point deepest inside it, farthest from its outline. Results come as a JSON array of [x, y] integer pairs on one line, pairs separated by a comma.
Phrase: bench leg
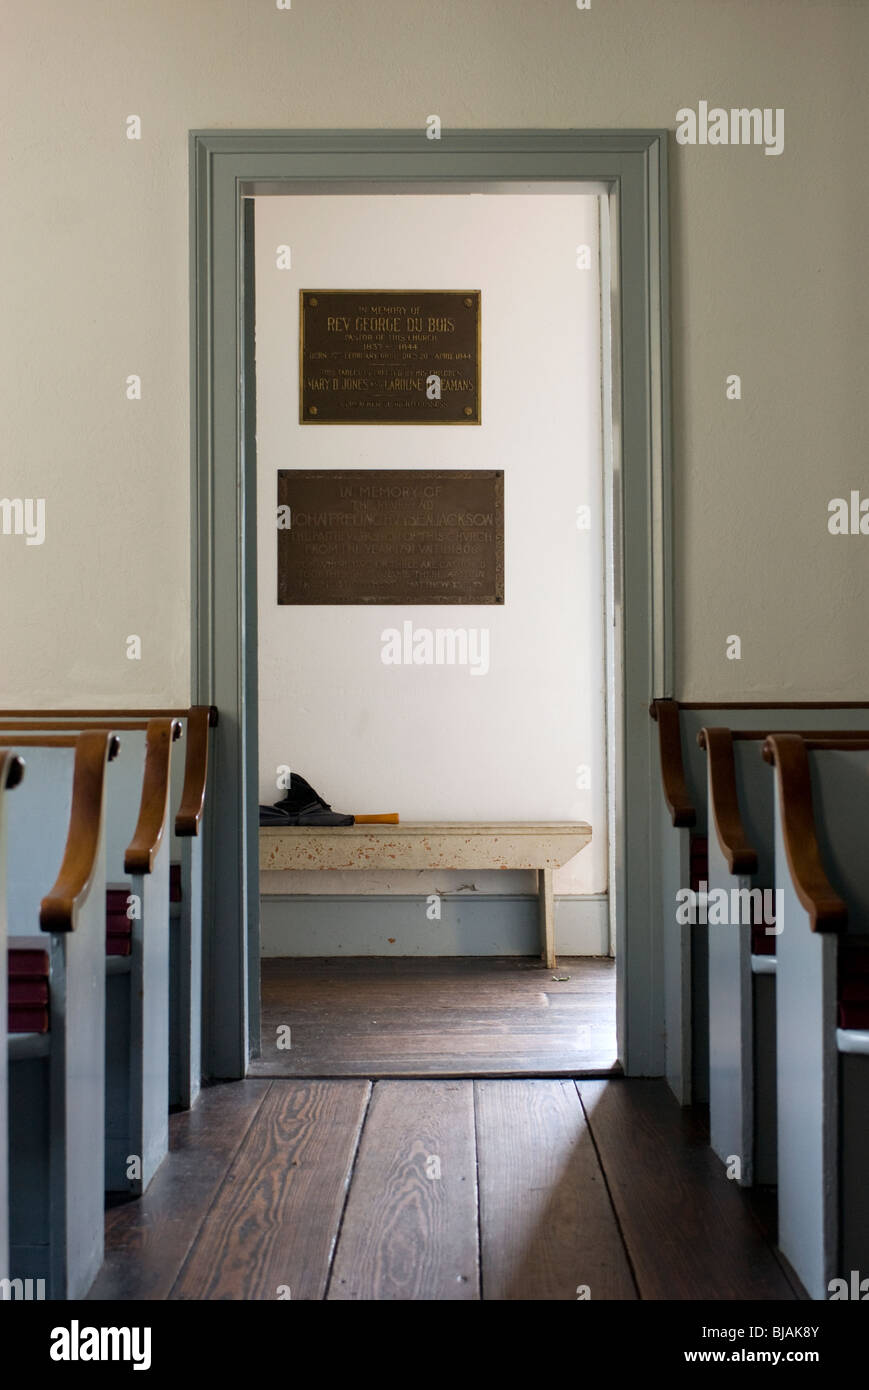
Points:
[[546, 908]]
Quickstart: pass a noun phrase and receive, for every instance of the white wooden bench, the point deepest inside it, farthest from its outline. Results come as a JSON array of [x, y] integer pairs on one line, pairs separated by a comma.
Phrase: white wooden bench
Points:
[[542, 845]]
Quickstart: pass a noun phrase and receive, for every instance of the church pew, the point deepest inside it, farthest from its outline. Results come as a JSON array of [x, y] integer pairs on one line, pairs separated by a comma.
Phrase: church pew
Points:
[[189, 802], [137, 951], [11, 773], [680, 840], [137, 984], [742, 961], [822, 866], [56, 835], [189, 828]]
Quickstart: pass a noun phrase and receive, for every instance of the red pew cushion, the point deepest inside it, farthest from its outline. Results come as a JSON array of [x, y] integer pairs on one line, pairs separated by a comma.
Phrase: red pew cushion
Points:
[[119, 927], [28, 991]]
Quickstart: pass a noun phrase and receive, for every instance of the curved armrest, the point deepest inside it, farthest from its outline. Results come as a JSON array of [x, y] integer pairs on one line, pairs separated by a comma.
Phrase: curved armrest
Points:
[[139, 858], [726, 817], [57, 911], [11, 770], [787, 753], [666, 712], [199, 720]]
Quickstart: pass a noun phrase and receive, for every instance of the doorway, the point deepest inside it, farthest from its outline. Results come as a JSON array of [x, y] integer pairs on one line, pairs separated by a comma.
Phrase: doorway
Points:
[[225, 168]]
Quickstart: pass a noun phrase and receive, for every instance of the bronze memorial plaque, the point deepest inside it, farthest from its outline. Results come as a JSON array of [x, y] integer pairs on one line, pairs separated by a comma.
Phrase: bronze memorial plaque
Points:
[[390, 536], [395, 357]]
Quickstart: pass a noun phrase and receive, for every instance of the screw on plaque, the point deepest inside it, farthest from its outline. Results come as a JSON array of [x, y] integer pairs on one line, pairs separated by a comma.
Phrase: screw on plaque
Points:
[[561, 978]]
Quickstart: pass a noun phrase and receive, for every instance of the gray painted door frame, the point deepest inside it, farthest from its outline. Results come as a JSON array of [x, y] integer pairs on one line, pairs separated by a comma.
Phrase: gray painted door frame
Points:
[[224, 164]]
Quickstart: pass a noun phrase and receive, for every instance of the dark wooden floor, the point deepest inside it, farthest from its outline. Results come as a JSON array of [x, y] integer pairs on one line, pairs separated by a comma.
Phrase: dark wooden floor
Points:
[[439, 1190], [474, 1016]]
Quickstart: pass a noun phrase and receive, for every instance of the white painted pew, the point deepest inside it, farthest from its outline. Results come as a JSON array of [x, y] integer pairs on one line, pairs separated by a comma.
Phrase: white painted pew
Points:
[[137, 986], [742, 1029], [190, 797], [544, 846], [11, 773], [742, 1050], [188, 800], [680, 827], [822, 864], [56, 835]]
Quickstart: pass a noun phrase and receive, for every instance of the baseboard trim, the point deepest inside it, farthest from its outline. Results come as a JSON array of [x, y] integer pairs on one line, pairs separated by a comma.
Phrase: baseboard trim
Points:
[[399, 925]]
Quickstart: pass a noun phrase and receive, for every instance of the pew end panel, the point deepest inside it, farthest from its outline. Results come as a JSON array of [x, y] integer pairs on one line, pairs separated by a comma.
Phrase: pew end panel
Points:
[[137, 1026], [731, 1029], [189, 830], [742, 1072], [137, 1041], [807, 1090], [57, 1094], [822, 1207]]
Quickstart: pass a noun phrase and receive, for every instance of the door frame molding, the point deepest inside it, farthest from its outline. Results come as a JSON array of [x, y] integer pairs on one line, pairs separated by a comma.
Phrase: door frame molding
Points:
[[637, 448]]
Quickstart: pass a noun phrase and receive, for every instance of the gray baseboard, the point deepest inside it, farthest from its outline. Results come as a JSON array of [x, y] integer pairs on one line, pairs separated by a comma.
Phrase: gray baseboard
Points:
[[393, 925]]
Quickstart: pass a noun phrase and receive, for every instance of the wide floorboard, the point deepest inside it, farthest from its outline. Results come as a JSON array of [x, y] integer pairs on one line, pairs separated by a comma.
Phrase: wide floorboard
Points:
[[439, 1190], [444, 1017]]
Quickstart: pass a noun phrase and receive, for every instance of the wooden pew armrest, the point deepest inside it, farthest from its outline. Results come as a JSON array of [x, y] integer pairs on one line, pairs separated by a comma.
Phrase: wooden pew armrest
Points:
[[787, 753], [200, 719], [726, 817], [142, 849], [93, 750], [666, 714]]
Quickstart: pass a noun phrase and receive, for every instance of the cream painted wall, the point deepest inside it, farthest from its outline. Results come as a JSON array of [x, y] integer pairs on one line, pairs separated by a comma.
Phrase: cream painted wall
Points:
[[436, 742], [768, 281]]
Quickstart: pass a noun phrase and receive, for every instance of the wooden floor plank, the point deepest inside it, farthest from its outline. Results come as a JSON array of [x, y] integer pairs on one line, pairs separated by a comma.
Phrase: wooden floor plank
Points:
[[690, 1233], [437, 1017], [547, 1225], [410, 1228], [148, 1239], [271, 1231]]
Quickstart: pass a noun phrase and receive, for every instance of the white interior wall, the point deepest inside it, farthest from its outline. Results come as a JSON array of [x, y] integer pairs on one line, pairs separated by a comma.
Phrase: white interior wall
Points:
[[766, 282], [435, 742]]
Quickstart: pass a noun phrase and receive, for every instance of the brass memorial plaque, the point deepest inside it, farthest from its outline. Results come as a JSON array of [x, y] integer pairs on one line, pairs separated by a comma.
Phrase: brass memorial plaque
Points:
[[390, 536], [395, 357]]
